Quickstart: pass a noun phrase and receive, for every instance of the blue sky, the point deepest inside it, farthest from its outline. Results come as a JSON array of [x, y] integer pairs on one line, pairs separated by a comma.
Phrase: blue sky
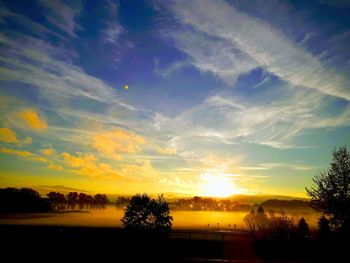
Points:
[[250, 94]]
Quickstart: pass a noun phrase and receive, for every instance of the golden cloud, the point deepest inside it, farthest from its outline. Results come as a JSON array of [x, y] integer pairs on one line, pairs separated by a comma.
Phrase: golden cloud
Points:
[[117, 141], [87, 165], [24, 154], [32, 119], [54, 167], [48, 151], [7, 135]]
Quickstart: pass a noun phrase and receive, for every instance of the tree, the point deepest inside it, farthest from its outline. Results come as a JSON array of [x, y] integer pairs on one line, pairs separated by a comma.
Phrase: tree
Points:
[[57, 200], [146, 214], [72, 199], [101, 200], [330, 193]]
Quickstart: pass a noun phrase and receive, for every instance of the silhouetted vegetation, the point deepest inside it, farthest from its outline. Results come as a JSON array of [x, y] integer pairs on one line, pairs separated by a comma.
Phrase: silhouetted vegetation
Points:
[[74, 200], [24, 200], [27, 200], [276, 227], [208, 204], [324, 229], [146, 214], [331, 192]]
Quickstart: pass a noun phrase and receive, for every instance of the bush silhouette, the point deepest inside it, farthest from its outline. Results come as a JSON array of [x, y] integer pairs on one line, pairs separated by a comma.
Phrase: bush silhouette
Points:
[[324, 230], [146, 214]]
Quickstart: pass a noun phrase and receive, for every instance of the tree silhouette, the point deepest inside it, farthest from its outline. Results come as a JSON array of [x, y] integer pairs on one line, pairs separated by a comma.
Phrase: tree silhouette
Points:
[[146, 214], [101, 200], [72, 199], [57, 200], [330, 193]]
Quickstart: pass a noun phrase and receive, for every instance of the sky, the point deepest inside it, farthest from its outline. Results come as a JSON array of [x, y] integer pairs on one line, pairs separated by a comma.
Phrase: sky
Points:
[[223, 97]]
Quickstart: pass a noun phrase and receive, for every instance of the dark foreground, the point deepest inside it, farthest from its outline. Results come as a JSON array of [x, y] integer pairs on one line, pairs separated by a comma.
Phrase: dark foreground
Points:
[[47, 243]]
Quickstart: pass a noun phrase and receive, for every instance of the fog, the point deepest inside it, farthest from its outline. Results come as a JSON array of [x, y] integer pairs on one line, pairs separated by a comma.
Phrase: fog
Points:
[[110, 217]]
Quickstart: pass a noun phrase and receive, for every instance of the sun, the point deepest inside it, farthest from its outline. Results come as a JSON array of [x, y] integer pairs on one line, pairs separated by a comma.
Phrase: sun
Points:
[[217, 185]]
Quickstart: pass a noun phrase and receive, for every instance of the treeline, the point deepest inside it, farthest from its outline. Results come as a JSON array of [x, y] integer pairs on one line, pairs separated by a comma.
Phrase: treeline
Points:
[[195, 204], [208, 204], [27, 200], [75, 200], [24, 200]]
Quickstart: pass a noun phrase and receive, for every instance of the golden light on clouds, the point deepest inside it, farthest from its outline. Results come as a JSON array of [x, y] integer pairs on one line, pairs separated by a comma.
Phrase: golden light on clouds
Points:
[[32, 119], [118, 141], [88, 165], [48, 151], [8, 136], [25, 154]]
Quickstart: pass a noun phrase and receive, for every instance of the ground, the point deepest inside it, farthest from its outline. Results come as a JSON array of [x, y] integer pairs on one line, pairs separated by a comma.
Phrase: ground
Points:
[[46, 243]]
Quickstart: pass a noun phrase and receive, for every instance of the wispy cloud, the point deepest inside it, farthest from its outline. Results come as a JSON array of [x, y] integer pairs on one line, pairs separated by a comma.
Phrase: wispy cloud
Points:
[[263, 44], [62, 14], [24, 154], [214, 55], [113, 28]]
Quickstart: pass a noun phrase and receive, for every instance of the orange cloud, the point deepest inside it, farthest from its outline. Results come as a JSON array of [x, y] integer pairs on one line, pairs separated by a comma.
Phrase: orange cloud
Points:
[[16, 152], [54, 167], [31, 119], [87, 165], [24, 154], [117, 141], [7, 135], [48, 151]]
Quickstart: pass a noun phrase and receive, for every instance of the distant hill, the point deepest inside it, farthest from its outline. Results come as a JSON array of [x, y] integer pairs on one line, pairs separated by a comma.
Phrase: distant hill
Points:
[[285, 204], [258, 199]]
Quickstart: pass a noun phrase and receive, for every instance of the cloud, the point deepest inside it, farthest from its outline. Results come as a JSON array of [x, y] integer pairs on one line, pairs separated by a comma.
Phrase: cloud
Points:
[[88, 165], [31, 119], [62, 15], [172, 68], [27, 140], [213, 55], [48, 151], [262, 43], [113, 28], [117, 141], [55, 167], [25, 154], [7, 135], [140, 170], [166, 150]]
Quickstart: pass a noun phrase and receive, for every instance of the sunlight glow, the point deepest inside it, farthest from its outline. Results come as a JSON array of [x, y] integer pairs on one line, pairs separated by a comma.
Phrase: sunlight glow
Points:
[[218, 185]]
